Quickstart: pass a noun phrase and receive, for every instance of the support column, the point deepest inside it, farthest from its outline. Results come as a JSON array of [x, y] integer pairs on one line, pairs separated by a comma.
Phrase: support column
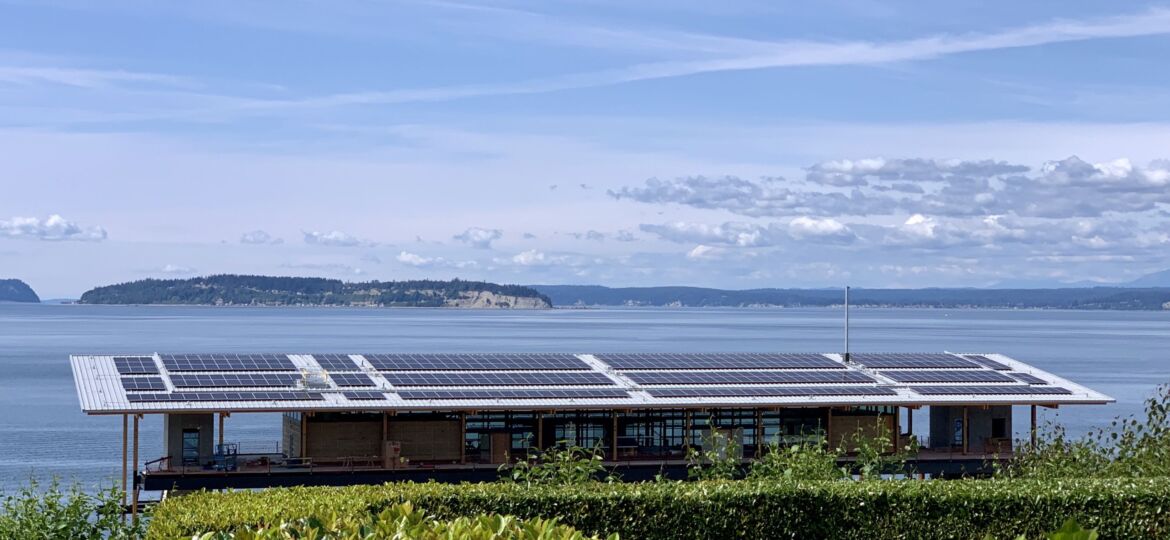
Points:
[[304, 438], [829, 430], [910, 421], [540, 431], [614, 437], [463, 437], [125, 430], [966, 436], [759, 433], [221, 415], [897, 431], [1034, 437], [134, 502], [687, 438]]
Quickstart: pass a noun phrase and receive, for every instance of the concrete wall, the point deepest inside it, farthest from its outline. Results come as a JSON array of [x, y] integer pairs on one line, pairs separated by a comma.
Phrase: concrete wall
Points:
[[173, 427], [438, 440], [290, 435], [944, 422], [844, 429], [337, 439]]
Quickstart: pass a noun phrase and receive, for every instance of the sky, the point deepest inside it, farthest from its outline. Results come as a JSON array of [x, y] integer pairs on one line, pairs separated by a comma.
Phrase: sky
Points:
[[723, 144]]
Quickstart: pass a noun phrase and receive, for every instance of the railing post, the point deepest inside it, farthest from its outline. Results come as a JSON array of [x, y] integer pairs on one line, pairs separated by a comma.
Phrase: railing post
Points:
[[134, 503], [1034, 437], [125, 494]]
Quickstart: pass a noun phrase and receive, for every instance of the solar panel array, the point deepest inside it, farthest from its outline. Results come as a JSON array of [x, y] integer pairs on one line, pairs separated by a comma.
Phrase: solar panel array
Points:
[[912, 361], [443, 377], [748, 377], [135, 365], [509, 378], [364, 395], [948, 376], [987, 362], [1004, 390], [235, 380], [141, 384], [1027, 378], [775, 391], [336, 362], [476, 362], [547, 393], [351, 379], [227, 362], [226, 396], [628, 361]]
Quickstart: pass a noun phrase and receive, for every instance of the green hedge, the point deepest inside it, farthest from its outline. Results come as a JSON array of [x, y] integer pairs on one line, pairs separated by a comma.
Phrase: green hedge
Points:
[[957, 509]]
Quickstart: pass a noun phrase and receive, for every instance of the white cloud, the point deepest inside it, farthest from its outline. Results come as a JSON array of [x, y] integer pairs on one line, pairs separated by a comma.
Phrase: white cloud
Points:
[[335, 238], [53, 228], [703, 252], [328, 268], [174, 270], [531, 257], [259, 237], [479, 237], [731, 233], [825, 230], [414, 259]]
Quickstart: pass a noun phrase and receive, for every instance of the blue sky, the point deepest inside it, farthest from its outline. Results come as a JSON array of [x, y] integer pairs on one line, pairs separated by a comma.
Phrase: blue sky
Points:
[[731, 144]]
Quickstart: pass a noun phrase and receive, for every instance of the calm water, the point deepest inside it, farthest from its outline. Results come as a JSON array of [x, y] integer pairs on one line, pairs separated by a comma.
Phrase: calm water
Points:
[[43, 432]]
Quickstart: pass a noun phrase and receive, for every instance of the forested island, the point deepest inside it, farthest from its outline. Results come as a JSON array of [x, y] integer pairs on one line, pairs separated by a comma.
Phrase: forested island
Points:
[[235, 290], [15, 290], [1119, 298]]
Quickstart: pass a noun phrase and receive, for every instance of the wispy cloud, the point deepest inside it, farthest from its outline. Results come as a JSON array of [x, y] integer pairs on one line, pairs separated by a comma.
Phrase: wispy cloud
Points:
[[52, 228], [259, 237], [336, 239]]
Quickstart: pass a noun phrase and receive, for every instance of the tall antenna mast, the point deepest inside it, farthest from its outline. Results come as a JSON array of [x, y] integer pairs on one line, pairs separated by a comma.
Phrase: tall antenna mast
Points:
[[847, 359]]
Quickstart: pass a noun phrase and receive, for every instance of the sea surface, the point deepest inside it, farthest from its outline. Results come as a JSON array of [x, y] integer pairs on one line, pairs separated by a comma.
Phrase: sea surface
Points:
[[43, 433]]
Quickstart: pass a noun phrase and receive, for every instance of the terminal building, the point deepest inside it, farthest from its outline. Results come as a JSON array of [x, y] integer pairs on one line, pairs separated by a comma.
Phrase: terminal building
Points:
[[371, 418]]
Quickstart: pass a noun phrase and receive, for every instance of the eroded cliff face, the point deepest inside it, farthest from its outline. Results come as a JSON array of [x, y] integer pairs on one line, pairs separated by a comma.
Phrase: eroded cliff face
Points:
[[485, 299]]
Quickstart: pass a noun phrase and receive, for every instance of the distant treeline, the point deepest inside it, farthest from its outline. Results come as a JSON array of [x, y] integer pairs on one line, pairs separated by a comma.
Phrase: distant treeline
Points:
[[1082, 298], [15, 290], [270, 290]]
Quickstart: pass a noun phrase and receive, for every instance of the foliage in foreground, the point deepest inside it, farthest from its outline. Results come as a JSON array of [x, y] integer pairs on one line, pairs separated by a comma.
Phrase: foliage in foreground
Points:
[[403, 522], [559, 465], [1117, 508], [55, 514], [1128, 448]]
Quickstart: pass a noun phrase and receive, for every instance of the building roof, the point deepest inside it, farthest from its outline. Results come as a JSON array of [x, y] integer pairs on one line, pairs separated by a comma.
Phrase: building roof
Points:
[[160, 383]]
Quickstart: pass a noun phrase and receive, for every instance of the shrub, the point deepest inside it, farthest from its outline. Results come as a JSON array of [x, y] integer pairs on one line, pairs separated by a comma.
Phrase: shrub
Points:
[[1128, 448], [56, 514], [805, 461], [557, 465], [1117, 508], [403, 522]]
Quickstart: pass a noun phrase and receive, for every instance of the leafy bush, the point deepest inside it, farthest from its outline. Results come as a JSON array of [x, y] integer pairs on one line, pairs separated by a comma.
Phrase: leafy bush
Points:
[[805, 461], [1117, 508], [403, 522], [55, 514], [1128, 448], [557, 465], [717, 458]]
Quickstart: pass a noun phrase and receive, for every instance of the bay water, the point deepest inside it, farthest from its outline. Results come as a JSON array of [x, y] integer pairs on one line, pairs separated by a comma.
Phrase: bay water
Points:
[[44, 434]]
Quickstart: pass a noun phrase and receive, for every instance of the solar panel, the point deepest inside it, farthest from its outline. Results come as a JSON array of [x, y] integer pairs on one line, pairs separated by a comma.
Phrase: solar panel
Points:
[[777, 391], [227, 362], [718, 361], [988, 363], [234, 380], [912, 361], [1005, 390], [225, 396], [572, 393], [475, 362], [139, 384], [554, 378], [748, 377], [351, 379], [135, 365], [1027, 378], [336, 362], [364, 396], [949, 376]]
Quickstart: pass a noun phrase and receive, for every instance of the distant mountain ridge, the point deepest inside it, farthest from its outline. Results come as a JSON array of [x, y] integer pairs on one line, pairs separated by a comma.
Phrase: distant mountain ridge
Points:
[[15, 290], [231, 289], [1122, 298], [1156, 279]]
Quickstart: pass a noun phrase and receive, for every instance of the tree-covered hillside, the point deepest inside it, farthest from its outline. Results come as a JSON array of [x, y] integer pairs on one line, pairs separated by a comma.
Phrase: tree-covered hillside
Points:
[[270, 290], [1082, 298], [15, 290]]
